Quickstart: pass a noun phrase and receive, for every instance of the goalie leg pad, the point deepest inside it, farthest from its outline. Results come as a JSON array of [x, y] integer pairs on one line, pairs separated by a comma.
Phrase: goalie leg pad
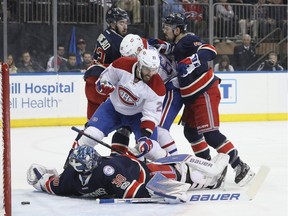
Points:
[[165, 170], [202, 173], [173, 191]]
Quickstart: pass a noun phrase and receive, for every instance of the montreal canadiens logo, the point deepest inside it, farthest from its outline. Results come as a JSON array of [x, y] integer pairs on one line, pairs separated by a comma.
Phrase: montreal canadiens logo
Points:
[[127, 97], [108, 170]]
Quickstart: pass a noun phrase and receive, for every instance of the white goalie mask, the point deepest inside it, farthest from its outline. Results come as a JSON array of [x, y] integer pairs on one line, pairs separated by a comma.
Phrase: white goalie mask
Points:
[[131, 45]]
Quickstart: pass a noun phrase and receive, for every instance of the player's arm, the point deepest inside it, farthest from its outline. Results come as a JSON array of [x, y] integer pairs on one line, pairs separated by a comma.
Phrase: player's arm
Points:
[[48, 180], [152, 108], [205, 53]]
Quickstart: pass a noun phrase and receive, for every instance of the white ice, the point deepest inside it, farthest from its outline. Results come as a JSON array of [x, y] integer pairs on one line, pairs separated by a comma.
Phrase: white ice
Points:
[[258, 143]]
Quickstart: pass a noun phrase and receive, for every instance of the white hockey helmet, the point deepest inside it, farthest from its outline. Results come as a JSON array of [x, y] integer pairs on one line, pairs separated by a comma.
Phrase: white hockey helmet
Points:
[[149, 58], [131, 45]]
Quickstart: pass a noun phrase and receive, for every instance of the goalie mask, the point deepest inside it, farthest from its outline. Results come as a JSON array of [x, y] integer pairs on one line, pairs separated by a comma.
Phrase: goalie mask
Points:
[[84, 159]]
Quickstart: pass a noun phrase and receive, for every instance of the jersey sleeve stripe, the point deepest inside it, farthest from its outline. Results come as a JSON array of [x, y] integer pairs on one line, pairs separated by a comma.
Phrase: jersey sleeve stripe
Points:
[[198, 85]]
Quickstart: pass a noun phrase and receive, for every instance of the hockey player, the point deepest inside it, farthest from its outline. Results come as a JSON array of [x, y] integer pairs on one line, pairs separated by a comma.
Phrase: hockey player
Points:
[[106, 51], [200, 93], [136, 99], [91, 175], [131, 45]]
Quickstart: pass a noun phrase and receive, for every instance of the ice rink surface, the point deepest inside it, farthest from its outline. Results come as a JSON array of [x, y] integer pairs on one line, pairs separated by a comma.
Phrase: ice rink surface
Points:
[[258, 143]]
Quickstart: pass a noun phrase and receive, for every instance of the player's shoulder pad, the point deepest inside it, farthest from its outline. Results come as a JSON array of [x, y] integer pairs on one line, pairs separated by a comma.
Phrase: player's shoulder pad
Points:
[[157, 85], [208, 47], [206, 52], [124, 63], [94, 70]]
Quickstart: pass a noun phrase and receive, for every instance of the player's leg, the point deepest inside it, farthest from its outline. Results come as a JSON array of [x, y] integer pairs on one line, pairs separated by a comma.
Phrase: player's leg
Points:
[[104, 121], [120, 140], [198, 144], [208, 124], [171, 107]]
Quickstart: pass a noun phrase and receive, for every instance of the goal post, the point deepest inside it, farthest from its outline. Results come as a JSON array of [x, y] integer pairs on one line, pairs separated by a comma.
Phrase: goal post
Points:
[[5, 168]]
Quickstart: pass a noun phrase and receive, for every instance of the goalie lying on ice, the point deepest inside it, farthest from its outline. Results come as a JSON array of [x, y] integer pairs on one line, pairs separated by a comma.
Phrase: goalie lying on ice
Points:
[[91, 175]]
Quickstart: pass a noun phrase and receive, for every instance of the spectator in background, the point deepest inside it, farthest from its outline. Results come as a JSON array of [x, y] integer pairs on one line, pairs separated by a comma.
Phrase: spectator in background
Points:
[[244, 54], [70, 65], [29, 65], [196, 14], [225, 21], [261, 19], [60, 59], [172, 6], [271, 64], [11, 64], [132, 7], [277, 16], [81, 49], [224, 64], [87, 61]]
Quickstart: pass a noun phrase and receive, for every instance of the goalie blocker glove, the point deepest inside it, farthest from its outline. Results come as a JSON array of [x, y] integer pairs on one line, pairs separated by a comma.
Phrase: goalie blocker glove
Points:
[[104, 87]]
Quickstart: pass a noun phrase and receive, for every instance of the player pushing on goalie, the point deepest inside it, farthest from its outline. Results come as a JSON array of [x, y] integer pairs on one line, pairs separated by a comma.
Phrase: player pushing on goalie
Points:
[[123, 176]]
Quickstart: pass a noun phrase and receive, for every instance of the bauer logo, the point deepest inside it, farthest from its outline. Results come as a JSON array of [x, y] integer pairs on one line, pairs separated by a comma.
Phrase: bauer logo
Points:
[[228, 89], [215, 197]]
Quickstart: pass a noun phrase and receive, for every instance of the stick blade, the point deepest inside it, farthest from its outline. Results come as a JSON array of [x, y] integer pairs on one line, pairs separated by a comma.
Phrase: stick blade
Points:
[[257, 182]]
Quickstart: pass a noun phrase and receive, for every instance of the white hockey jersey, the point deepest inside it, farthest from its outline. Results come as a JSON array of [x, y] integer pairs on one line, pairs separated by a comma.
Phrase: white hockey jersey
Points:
[[132, 96]]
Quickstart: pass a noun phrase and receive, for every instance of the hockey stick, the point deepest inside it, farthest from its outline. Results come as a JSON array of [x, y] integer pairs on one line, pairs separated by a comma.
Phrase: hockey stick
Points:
[[247, 195], [131, 200], [96, 140], [205, 195]]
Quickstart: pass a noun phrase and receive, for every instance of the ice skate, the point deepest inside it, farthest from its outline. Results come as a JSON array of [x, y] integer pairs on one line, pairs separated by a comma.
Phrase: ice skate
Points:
[[243, 174]]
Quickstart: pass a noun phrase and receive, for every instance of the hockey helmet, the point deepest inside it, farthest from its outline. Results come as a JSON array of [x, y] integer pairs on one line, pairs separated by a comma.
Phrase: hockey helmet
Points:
[[149, 58], [176, 20], [84, 159], [131, 45], [116, 14]]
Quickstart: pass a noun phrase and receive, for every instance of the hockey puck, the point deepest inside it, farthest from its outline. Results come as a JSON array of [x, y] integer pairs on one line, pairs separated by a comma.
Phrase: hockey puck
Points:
[[25, 203]]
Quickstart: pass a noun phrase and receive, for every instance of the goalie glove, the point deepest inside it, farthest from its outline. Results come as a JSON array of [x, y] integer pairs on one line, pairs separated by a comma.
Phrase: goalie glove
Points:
[[188, 65], [38, 175], [104, 87]]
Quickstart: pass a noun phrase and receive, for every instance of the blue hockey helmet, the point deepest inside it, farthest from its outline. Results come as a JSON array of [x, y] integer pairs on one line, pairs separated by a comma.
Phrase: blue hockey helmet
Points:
[[115, 15], [176, 20], [84, 159]]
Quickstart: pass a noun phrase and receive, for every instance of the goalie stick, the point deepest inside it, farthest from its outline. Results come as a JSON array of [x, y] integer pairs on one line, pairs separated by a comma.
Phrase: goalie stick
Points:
[[205, 195]]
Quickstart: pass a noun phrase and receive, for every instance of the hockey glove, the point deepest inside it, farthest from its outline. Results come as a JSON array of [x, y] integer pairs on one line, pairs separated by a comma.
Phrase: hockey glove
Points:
[[162, 46], [188, 65], [38, 175], [144, 145], [104, 87]]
